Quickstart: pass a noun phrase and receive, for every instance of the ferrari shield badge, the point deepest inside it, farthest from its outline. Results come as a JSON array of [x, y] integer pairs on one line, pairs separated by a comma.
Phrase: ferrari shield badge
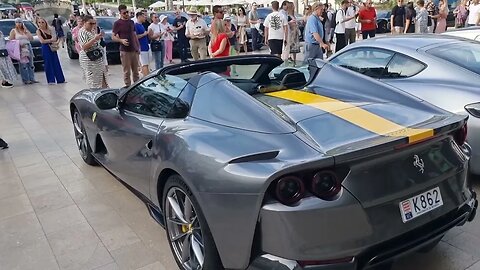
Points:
[[418, 163]]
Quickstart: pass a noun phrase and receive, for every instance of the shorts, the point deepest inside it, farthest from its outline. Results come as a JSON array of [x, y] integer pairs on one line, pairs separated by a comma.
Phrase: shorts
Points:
[[275, 45], [144, 58]]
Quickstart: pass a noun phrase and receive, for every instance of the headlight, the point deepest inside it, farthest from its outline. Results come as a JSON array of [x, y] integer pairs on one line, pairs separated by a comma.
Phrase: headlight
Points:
[[473, 109]]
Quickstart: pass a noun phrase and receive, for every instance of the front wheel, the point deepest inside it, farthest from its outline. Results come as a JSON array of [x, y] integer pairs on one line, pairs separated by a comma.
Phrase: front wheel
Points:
[[188, 234], [81, 139]]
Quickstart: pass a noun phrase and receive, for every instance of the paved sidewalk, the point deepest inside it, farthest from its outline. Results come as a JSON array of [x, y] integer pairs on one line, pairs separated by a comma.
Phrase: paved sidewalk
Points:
[[58, 213]]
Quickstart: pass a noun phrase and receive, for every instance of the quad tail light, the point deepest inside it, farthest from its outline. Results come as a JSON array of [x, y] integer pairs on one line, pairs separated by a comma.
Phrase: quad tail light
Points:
[[291, 189], [460, 136]]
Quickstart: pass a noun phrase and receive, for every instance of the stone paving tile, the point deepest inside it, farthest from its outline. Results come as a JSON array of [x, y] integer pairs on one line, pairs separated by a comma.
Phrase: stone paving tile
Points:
[[51, 201], [133, 256], [57, 220], [12, 206], [118, 237], [476, 266]]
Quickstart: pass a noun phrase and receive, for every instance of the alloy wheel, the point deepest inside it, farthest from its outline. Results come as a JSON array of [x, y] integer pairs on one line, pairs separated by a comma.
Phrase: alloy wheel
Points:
[[80, 137], [184, 230]]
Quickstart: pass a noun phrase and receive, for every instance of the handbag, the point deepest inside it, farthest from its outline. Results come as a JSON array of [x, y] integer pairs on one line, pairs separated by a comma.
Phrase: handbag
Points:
[[3, 53], [54, 46], [95, 54], [156, 46]]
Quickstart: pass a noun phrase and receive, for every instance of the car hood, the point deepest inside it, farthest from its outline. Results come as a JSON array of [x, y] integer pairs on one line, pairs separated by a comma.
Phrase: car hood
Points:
[[337, 125]]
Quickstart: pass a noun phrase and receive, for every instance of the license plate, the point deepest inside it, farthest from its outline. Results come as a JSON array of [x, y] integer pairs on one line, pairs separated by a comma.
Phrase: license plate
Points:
[[420, 204]]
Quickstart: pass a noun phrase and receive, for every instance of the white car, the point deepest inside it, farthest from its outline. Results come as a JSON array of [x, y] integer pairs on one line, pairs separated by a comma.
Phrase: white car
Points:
[[472, 33]]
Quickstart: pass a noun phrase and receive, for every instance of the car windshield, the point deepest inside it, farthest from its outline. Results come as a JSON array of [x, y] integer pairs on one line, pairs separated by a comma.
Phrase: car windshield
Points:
[[263, 12], [382, 14], [466, 55], [7, 25], [207, 19], [106, 23]]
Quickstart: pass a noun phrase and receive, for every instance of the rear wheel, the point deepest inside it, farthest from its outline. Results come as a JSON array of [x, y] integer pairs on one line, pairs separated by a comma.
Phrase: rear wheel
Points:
[[188, 234], [81, 139]]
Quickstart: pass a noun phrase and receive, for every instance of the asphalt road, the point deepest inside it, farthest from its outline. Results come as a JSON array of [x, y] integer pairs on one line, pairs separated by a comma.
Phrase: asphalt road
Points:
[[58, 213]]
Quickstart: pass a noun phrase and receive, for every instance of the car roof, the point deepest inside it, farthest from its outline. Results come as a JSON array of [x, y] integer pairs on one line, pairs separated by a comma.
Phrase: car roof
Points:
[[410, 41]]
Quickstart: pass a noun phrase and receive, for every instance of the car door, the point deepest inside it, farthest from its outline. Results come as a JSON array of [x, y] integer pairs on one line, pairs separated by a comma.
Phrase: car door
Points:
[[129, 131]]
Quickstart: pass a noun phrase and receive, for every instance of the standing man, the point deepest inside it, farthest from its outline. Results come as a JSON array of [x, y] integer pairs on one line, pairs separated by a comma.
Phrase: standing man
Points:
[[253, 20], [397, 19], [196, 30], [351, 14], [314, 34], [275, 30], [217, 15], [340, 20], [142, 37], [368, 19], [182, 41], [124, 33]]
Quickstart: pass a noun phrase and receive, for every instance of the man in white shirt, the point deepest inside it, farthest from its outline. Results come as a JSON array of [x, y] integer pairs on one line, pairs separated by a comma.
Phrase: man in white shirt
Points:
[[341, 18], [275, 30], [474, 15], [351, 13], [196, 30]]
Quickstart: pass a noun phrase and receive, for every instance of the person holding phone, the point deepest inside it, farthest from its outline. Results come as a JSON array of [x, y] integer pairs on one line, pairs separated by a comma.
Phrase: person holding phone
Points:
[[196, 30], [89, 40], [167, 37], [21, 33], [50, 44]]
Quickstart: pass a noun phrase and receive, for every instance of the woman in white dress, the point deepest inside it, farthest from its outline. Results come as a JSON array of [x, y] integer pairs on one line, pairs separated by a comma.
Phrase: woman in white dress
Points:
[[242, 22], [94, 68]]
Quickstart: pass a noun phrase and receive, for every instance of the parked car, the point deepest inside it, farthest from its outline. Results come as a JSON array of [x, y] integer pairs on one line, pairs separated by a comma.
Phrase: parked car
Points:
[[113, 51], [24, 6], [247, 188], [383, 21], [472, 33], [6, 25], [442, 70]]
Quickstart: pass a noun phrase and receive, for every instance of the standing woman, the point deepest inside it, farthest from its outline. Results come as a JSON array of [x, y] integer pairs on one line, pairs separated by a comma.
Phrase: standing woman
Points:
[[8, 75], [21, 33], [441, 17], [157, 46], [219, 45], [242, 22], [91, 56], [47, 36], [461, 14], [294, 33], [167, 38], [307, 12]]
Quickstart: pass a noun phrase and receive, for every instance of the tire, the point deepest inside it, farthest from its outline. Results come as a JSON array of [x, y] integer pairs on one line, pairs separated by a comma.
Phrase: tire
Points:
[[177, 195], [430, 246], [82, 140]]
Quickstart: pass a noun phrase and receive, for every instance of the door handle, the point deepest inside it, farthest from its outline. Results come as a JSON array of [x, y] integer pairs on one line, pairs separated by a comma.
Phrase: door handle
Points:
[[149, 145]]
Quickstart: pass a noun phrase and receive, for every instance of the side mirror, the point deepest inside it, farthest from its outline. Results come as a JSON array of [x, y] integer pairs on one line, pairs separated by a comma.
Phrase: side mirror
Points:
[[107, 101]]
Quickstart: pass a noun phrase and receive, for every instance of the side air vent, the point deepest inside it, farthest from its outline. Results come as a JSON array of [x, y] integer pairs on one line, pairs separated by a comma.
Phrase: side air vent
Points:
[[255, 157]]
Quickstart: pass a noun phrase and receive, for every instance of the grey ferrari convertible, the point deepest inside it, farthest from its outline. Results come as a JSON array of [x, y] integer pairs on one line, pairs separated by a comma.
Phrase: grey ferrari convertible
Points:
[[268, 170]]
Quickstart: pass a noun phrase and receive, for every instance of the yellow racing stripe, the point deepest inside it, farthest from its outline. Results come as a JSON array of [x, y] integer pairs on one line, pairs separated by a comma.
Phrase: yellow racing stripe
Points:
[[354, 115]]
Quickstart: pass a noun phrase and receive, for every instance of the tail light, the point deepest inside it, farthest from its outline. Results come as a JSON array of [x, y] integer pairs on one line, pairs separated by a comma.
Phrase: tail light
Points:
[[325, 185], [460, 136], [289, 190]]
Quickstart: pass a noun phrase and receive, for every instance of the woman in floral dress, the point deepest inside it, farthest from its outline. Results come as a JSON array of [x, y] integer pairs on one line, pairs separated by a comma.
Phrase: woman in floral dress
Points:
[[8, 74], [293, 33]]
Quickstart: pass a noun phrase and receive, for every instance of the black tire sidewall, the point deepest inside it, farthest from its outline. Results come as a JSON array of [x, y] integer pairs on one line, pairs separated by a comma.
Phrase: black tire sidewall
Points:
[[89, 158], [212, 259]]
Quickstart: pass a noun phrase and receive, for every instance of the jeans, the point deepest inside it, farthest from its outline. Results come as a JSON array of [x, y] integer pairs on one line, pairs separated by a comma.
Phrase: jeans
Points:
[[158, 56], [313, 51], [27, 70], [183, 48], [254, 33]]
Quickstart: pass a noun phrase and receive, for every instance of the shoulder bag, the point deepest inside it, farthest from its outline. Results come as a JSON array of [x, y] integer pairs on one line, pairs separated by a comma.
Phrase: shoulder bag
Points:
[[94, 54]]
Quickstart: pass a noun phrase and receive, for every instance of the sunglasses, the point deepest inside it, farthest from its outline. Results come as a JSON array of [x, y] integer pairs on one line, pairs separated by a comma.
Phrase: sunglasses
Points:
[[92, 23], [125, 12]]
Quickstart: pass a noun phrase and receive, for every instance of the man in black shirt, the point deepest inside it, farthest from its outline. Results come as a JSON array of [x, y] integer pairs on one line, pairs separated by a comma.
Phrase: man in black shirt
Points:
[[397, 19], [182, 41]]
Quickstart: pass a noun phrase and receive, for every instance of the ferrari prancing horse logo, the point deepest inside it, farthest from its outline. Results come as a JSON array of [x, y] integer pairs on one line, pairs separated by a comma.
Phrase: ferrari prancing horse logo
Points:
[[418, 163]]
